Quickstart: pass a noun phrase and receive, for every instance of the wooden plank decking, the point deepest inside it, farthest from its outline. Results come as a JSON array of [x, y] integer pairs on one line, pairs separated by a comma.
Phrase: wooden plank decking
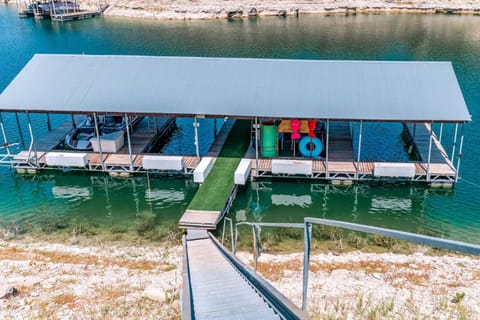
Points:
[[199, 219]]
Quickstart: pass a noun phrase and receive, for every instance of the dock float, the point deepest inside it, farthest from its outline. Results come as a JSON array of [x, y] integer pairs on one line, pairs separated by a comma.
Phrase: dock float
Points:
[[218, 286], [217, 192]]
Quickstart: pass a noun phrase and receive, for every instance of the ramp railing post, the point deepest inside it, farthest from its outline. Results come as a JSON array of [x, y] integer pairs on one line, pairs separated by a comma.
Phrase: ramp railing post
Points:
[[307, 238]]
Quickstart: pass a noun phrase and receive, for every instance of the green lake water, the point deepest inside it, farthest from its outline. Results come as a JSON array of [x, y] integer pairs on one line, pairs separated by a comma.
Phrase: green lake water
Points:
[[70, 199]]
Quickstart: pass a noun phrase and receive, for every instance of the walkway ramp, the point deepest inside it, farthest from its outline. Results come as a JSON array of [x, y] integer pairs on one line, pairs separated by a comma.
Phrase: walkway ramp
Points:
[[220, 287], [218, 190]]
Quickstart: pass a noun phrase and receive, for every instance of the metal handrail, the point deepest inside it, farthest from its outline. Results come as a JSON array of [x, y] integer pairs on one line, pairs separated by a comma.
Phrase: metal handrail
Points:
[[186, 298], [256, 229], [285, 309], [401, 235]]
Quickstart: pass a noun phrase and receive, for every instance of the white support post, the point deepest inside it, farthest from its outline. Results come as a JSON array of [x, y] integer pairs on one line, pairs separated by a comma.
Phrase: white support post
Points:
[[127, 121], [429, 151], [454, 144], [256, 146], [32, 140], [440, 134], [460, 153], [195, 126], [97, 133], [4, 134], [20, 133], [327, 148], [359, 148]]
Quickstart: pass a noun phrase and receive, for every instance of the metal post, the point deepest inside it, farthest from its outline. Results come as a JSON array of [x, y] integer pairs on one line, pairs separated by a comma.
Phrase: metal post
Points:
[[155, 120], [214, 128], [234, 249], [4, 134], [195, 126], [255, 253], [440, 133], [20, 133], [49, 123], [429, 151], [307, 238], [127, 121], [256, 146], [32, 140], [359, 148], [459, 153], [414, 131], [326, 149], [454, 144], [74, 125], [97, 133]]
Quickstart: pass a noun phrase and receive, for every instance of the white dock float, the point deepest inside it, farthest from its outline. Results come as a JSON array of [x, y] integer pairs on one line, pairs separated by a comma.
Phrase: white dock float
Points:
[[66, 159], [389, 169], [282, 166], [163, 163], [110, 143], [243, 171], [203, 169]]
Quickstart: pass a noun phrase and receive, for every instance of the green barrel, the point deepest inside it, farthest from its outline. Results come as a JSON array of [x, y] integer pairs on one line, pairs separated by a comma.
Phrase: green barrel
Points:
[[269, 140]]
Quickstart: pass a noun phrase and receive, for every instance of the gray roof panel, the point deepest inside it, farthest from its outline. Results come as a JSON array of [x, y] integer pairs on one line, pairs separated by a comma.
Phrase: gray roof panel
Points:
[[352, 90]]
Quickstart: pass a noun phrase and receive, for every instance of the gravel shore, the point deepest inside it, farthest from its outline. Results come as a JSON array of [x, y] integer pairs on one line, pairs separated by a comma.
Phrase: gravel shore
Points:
[[208, 9], [124, 281]]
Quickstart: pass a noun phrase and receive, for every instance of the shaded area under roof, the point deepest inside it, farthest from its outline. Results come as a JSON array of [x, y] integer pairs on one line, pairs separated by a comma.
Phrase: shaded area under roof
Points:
[[348, 90]]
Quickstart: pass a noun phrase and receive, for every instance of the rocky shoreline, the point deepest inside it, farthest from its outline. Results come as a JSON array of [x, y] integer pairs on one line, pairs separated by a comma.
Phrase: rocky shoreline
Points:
[[208, 9], [115, 280]]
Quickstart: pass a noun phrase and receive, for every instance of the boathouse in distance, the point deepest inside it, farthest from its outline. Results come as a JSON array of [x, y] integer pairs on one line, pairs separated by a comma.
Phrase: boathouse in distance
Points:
[[306, 116]]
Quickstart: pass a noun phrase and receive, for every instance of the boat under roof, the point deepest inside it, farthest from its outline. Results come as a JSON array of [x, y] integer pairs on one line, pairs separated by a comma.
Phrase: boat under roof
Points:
[[242, 88]]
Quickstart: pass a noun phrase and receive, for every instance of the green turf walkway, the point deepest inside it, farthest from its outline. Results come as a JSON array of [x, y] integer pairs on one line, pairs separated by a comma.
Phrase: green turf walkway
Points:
[[214, 192]]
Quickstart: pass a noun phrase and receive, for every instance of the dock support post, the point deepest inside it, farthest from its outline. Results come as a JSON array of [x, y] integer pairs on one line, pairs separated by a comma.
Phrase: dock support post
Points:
[[429, 151], [256, 146], [307, 237], [74, 125], [155, 120], [20, 133], [97, 133], [4, 134], [32, 141], [127, 121], [459, 153], [454, 144], [49, 123], [440, 134], [326, 149], [359, 149], [214, 128], [195, 126]]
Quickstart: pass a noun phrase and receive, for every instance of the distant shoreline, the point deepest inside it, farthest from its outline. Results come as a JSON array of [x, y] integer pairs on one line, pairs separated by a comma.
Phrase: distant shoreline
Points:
[[208, 9], [213, 9]]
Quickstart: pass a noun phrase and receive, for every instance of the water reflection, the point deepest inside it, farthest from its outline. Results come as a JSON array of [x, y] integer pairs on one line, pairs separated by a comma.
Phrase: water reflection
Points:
[[404, 207]]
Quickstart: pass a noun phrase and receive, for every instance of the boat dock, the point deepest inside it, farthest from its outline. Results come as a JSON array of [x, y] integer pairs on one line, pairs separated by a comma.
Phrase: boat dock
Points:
[[78, 15]]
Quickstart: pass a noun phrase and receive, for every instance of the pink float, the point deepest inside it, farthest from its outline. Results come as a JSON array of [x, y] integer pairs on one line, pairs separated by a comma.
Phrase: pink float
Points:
[[295, 126], [312, 124]]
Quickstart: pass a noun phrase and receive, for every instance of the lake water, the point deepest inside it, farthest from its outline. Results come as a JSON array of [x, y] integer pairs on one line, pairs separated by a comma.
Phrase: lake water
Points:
[[71, 199]]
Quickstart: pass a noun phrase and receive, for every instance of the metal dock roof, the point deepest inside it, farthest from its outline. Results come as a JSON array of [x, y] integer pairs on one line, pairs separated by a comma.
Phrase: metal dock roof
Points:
[[348, 90]]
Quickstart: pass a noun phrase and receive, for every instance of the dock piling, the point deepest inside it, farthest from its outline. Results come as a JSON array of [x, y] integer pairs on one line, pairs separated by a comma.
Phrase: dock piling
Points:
[[4, 134], [459, 153], [97, 133], [127, 122], [20, 133]]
